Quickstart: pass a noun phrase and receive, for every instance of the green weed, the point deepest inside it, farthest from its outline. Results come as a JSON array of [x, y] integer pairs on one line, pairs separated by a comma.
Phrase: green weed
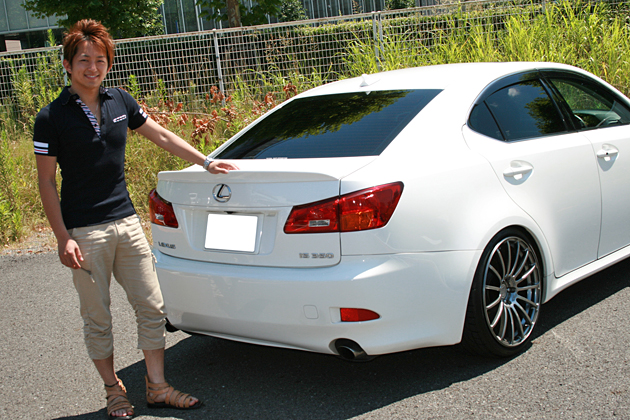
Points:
[[10, 204]]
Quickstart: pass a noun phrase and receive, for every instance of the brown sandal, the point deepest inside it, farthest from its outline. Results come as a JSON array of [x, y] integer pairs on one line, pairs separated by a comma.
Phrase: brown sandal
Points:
[[117, 400], [174, 398]]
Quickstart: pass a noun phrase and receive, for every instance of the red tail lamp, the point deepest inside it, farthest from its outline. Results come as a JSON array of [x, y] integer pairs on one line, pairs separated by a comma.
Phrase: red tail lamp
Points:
[[357, 315], [161, 211], [370, 208]]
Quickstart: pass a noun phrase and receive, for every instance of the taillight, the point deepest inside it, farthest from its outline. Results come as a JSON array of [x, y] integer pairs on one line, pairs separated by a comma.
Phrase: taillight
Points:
[[319, 217], [161, 211], [370, 208]]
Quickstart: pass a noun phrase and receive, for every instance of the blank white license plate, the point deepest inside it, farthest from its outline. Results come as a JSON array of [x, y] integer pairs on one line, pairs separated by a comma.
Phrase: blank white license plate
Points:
[[231, 232]]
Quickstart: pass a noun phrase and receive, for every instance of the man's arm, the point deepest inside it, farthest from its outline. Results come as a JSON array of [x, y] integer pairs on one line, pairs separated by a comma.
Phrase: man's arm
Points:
[[69, 252], [179, 147]]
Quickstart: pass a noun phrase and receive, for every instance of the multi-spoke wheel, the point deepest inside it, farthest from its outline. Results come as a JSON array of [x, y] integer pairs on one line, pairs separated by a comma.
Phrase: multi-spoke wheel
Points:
[[505, 297]]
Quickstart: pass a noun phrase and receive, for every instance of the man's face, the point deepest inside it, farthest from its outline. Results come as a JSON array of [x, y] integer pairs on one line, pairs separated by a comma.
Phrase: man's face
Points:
[[89, 66]]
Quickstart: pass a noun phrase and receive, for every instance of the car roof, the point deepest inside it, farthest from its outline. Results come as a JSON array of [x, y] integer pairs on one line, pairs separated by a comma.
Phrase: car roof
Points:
[[442, 77]]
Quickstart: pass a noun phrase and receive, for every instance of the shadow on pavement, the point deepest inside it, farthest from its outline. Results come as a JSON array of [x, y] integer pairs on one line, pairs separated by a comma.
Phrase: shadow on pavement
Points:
[[241, 381]]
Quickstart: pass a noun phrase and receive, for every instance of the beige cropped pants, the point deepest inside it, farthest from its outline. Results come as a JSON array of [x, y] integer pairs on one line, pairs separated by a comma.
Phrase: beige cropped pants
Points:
[[119, 248]]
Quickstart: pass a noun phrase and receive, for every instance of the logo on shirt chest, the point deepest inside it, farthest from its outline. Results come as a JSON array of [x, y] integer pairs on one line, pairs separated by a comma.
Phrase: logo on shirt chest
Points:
[[119, 119]]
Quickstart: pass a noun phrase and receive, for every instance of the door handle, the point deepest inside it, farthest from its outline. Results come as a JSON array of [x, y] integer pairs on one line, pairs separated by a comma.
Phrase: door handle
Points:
[[518, 171], [607, 152]]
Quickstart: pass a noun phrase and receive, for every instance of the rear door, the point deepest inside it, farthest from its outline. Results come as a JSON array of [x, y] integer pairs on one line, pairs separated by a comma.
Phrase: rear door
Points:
[[547, 170]]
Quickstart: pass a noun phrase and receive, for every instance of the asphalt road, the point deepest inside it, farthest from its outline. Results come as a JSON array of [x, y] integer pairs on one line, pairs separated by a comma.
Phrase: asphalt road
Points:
[[578, 366]]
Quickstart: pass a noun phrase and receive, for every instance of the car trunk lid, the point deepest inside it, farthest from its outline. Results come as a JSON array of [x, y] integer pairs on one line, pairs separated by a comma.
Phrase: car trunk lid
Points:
[[239, 217]]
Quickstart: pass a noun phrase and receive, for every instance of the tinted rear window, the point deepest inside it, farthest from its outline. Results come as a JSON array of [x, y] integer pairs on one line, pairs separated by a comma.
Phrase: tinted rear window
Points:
[[342, 125]]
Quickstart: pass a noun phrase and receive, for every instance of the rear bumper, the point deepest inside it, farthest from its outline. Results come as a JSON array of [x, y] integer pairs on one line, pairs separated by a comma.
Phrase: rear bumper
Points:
[[421, 299]]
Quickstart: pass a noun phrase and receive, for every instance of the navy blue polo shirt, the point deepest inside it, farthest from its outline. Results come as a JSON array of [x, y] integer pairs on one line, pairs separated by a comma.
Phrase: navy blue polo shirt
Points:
[[93, 188]]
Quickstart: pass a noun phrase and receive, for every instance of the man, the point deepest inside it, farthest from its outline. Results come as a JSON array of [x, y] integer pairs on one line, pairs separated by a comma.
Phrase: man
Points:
[[84, 131]]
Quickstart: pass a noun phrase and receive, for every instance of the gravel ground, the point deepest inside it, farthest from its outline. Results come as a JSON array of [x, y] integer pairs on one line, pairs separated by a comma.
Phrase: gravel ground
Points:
[[40, 241]]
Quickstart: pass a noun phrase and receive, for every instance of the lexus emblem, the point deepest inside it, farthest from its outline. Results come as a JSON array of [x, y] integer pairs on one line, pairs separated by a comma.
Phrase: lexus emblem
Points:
[[222, 193]]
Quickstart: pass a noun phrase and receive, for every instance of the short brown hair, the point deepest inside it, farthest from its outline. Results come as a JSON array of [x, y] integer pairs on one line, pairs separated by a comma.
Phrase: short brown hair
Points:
[[91, 31]]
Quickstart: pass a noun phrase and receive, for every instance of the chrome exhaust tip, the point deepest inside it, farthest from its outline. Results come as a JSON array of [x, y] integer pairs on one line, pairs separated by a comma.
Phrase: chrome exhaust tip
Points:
[[351, 351]]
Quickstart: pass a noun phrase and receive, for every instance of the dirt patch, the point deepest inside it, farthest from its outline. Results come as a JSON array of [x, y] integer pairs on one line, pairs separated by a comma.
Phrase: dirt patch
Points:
[[39, 241]]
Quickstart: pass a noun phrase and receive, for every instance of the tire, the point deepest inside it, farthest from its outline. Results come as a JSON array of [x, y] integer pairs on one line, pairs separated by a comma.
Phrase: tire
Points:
[[505, 296]]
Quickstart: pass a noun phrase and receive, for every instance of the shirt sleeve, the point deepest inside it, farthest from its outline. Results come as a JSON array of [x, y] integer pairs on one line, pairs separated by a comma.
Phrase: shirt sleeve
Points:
[[136, 114], [45, 139]]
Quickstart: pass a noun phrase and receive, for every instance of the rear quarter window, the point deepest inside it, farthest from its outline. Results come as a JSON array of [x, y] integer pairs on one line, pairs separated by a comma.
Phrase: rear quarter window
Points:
[[340, 125]]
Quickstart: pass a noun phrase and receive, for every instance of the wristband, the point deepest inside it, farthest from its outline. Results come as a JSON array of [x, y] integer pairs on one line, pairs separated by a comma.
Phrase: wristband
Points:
[[207, 162]]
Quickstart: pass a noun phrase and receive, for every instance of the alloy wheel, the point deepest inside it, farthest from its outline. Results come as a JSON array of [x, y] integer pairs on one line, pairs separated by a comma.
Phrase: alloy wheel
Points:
[[512, 291]]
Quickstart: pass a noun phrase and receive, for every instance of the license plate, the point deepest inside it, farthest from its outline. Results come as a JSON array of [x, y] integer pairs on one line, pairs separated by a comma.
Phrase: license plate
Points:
[[231, 232]]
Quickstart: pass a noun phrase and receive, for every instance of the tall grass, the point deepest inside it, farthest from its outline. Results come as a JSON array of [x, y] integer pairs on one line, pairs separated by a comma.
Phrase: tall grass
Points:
[[11, 210], [572, 32], [34, 92]]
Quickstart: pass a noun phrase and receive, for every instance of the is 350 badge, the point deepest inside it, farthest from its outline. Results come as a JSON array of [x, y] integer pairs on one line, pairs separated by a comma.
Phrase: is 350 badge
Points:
[[317, 255]]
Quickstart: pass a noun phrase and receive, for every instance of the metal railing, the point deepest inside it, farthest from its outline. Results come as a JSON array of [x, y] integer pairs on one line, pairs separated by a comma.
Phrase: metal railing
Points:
[[186, 67]]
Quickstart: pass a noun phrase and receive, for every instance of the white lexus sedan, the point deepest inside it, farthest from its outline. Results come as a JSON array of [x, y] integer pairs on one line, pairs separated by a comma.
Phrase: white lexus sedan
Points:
[[413, 208]]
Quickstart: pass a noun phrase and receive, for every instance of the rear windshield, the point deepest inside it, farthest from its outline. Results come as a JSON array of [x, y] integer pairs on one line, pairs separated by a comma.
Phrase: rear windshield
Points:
[[342, 125]]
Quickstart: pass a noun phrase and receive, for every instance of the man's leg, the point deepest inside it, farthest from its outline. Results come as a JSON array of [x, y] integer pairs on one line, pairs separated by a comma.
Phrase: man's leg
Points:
[[135, 271], [154, 360], [92, 284], [105, 368]]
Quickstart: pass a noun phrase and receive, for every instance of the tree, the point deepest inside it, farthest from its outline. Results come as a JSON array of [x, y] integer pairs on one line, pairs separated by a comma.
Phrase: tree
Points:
[[399, 4], [234, 13], [123, 18], [291, 10], [257, 15]]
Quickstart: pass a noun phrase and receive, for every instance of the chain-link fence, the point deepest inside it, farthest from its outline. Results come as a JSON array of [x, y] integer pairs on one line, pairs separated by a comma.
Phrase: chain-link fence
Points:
[[185, 67]]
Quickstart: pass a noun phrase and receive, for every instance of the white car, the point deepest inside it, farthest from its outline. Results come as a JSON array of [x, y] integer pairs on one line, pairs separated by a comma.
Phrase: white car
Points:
[[412, 208]]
